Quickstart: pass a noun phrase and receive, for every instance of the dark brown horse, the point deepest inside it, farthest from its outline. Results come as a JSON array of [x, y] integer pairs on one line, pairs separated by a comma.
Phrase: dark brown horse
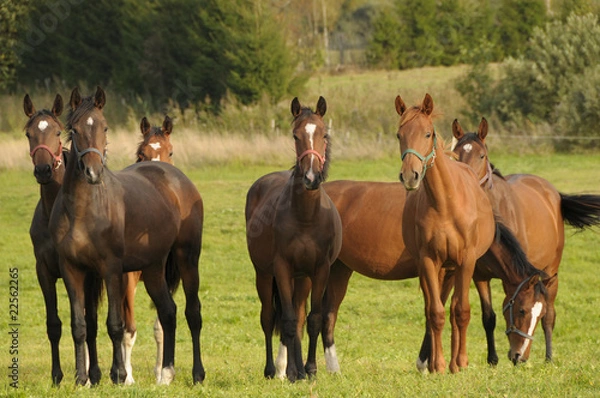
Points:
[[156, 144], [132, 220], [43, 131], [536, 212], [293, 232]]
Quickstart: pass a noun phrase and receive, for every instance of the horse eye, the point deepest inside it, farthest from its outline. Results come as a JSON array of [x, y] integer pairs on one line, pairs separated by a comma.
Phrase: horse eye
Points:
[[398, 135], [170, 154], [105, 129], [428, 135], [481, 156], [27, 135], [58, 133], [522, 312], [296, 137]]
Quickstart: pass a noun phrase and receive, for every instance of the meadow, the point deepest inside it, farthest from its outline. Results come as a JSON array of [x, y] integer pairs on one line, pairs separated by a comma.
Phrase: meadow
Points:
[[380, 324]]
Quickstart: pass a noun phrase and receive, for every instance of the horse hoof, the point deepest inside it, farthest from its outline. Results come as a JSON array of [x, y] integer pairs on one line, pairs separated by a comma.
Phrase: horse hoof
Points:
[[57, 378], [311, 370], [493, 360], [118, 376], [423, 366], [95, 375]]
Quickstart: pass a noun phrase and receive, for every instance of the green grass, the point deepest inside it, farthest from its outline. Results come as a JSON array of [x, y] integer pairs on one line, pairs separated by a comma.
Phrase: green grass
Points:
[[380, 323]]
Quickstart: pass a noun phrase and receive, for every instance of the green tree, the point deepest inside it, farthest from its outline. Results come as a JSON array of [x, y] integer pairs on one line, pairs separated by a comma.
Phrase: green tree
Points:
[[382, 49], [11, 22], [517, 20]]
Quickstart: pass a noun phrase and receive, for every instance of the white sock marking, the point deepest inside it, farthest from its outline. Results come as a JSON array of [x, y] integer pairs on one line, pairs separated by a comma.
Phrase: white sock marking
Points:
[[128, 343], [331, 360], [281, 362], [158, 337]]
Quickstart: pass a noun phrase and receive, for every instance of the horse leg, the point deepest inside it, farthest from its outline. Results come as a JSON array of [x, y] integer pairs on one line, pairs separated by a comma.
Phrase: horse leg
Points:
[[549, 319], [114, 321], [289, 338], [315, 318], [447, 282], [186, 259], [488, 317], [93, 290], [302, 288], [130, 280], [156, 286], [337, 285], [264, 288], [74, 279], [434, 312], [53, 323], [462, 312]]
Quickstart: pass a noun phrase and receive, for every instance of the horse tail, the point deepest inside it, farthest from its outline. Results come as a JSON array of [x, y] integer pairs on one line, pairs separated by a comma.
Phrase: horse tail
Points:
[[94, 288], [172, 274], [513, 251], [580, 211], [277, 311]]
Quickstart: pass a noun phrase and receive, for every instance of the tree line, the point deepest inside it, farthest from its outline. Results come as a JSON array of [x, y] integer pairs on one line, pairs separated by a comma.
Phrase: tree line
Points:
[[195, 53]]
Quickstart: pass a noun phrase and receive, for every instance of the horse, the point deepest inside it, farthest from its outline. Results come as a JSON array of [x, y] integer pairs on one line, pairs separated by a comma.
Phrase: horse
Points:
[[293, 233], [536, 212], [147, 217], [438, 232], [156, 143], [373, 245], [43, 130]]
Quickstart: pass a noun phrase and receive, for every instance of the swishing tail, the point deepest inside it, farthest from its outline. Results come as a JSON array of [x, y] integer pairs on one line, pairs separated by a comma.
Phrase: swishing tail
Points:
[[172, 273], [513, 252], [580, 211]]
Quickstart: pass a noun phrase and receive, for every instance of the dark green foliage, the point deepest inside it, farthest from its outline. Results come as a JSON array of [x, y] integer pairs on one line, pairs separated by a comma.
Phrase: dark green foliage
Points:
[[12, 15], [383, 47], [517, 20]]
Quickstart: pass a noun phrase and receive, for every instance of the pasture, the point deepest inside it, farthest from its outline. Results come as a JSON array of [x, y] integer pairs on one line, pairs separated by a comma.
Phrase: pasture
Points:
[[380, 325]]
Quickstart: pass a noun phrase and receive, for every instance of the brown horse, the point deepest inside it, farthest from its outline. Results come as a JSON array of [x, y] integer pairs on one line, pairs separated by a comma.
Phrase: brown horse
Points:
[[156, 144], [147, 218], [437, 231], [293, 232], [43, 131], [536, 212]]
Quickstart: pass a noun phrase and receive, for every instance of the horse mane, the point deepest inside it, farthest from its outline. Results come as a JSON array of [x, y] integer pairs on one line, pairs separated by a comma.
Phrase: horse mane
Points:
[[154, 132], [509, 242], [306, 112], [44, 112], [87, 105]]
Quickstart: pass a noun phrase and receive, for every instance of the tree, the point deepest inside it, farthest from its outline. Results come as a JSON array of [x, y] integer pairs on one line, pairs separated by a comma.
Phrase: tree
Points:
[[11, 21], [517, 20]]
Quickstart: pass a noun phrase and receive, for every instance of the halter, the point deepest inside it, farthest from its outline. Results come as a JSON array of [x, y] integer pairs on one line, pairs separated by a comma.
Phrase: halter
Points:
[[509, 306], [423, 159], [85, 151], [56, 159], [488, 175], [317, 154]]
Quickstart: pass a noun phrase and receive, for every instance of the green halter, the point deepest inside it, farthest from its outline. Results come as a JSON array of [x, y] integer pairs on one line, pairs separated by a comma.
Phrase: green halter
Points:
[[423, 159]]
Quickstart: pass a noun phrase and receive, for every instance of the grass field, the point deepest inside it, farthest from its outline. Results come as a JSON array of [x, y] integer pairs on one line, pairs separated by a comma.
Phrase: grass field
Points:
[[380, 325]]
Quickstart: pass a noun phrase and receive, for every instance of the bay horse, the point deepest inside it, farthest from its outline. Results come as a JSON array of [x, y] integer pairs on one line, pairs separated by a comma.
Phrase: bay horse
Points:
[[43, 130], [133, 220], [293, 233], [536, 212], [156, 143]]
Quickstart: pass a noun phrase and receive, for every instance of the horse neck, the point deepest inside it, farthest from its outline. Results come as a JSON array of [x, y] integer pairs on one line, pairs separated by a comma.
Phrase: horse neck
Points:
[[304, 203], [49, 191], [78, 193], [439, 181]]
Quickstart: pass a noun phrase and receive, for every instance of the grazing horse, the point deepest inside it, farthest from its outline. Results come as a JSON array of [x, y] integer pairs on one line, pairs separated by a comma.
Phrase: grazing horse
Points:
[[43, 131], [293, 232], [536, 212], [147, 217], [437, 230]]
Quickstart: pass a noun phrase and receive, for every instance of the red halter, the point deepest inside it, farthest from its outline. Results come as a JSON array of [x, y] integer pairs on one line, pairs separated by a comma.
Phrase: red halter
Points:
[[313, 152], [57, 159]]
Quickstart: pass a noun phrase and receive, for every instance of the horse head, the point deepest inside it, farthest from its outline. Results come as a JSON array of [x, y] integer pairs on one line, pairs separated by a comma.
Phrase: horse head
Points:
[[470, 148], [156, 144], [87, 128], [522, 311], [43, 132], [312, 143], [418, 141]]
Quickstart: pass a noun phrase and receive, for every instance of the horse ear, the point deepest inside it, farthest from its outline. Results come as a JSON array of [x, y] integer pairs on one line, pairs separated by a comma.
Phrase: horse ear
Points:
[[483, 129], [296, 107], [457, 130], [28, 106], [400, 106], [145, 126], [75, 100], [167, 126], [99, 98], [57, 108], [427, 106], [321, 106]]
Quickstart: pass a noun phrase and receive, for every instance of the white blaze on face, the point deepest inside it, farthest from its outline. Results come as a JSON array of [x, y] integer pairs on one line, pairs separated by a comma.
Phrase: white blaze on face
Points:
[[468, 148], [90, 121], [310, 130], [42, 125], [155, 145], [536, 310]]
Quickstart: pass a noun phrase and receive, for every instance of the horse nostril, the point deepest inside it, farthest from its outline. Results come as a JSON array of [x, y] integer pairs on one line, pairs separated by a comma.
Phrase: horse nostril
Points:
[[416, 176]]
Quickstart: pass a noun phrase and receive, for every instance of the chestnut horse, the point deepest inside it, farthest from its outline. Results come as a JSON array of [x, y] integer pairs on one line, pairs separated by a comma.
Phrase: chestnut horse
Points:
[[536, 212], [437, 230], [293, 232], [147, 217]]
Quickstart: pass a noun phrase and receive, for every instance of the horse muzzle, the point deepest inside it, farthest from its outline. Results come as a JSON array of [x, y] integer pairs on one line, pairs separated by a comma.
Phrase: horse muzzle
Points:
[[42, 173]]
